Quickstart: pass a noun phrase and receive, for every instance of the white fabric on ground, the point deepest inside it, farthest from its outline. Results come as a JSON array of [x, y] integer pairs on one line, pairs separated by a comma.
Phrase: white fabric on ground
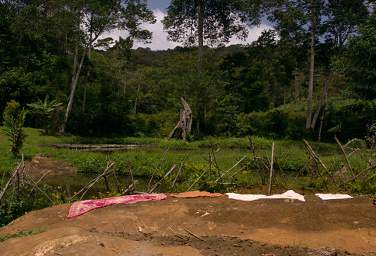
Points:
[[291, 194], [333, 196]]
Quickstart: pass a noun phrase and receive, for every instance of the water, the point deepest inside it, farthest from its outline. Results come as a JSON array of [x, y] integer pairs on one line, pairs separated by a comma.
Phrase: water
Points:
[[71, 184]]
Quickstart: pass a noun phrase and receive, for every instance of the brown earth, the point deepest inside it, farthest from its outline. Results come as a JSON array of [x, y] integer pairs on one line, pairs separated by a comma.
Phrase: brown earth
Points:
[[201, 226], [41, 165]]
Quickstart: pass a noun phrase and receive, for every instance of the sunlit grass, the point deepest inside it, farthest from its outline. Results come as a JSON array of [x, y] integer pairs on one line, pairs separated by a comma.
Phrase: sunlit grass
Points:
[[290, 155]]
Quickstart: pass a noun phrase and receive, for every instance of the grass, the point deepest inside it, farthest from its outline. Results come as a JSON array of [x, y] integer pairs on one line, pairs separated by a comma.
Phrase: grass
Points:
[[163, 155], [21, 234], [290, 156]]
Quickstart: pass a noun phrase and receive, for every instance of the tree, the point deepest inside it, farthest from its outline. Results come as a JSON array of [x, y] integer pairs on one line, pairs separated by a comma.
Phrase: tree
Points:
[[196, 22], [96, 17], [215, 22], [342, 18], [360, 64], [298, 20]]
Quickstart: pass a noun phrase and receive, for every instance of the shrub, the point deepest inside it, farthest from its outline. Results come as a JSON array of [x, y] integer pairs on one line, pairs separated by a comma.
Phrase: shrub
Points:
[[14, 119], [347, 119], [46, 114]]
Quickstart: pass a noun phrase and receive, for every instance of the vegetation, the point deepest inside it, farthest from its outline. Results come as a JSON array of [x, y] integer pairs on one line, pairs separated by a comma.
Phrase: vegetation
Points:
[[203, 164], [123, 91], [21, 234], [309, 77], [14, 118], [45, 113]]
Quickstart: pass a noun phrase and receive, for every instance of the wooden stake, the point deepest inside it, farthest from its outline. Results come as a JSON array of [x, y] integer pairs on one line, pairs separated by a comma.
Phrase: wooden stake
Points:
[[346, 158], [199, 178], [314, 155], [86, 188], [241, 160], [271, 170], [164, 177], [19, 167], [177, 175]]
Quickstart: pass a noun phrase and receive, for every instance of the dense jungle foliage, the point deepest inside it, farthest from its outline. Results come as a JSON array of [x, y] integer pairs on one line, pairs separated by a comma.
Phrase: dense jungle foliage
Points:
[[259, 89]]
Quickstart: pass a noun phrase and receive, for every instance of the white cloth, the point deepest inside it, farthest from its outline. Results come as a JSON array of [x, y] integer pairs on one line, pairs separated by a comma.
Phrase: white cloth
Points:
[[333, 196], [290, 194]]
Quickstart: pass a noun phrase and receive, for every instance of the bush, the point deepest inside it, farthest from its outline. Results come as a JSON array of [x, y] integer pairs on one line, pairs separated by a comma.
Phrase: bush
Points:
[[14, 119], [46, 114], [157, 125], [347, 119]]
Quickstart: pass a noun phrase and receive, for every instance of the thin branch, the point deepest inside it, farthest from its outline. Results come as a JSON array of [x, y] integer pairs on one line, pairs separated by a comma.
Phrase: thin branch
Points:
[[271, 170], [225, 173], [345, 155], [164, 177]]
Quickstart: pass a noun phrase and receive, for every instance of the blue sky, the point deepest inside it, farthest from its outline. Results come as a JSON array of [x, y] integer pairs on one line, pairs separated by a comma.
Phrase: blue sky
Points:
[[159, 40]]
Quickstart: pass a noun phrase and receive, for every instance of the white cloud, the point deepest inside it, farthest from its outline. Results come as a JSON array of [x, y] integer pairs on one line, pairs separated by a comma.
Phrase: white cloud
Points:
[[160, 42]]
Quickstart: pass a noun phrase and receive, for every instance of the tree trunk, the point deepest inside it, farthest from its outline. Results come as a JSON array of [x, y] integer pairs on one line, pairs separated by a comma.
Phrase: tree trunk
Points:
[[84, 101], [136, 100], [75, 79], [200, 27], [312, 66], [326, 87], [184, 125]]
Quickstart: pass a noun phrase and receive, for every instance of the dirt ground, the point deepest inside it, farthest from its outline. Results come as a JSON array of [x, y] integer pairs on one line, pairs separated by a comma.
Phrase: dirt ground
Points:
[[41, 165], [201, 226]]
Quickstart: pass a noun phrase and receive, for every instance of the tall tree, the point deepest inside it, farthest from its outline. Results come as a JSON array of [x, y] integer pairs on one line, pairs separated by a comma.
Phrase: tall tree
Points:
[[300, 20], [96, 17], [342, 18], [214, 22], [360, 66]]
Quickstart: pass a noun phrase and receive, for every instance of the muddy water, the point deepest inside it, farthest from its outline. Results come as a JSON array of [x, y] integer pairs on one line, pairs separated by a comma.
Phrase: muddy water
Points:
[[71, 184]]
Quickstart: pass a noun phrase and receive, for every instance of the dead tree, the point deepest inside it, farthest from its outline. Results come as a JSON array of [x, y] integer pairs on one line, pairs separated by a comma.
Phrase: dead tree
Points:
[[184, 126]]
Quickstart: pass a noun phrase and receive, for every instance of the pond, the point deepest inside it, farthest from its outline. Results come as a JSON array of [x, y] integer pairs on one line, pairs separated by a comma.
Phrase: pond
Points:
[[74, 183]]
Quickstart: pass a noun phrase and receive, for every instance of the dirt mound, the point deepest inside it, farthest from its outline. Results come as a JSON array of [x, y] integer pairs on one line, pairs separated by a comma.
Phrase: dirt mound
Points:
[[203, 226], [41, 165]]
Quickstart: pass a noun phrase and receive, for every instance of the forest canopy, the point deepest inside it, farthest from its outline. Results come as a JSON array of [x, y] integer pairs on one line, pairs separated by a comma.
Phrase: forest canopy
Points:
[[313, 74]]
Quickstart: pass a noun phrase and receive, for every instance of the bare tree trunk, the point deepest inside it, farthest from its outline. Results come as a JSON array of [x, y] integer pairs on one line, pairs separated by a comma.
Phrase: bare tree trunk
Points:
[[200, 32], [75, 63], [321, 105], [312, 66], [124, 84], [84, 85], [136, 100], [184, 125], [84, 101], [200, 10], [326, 87], [75, 79]]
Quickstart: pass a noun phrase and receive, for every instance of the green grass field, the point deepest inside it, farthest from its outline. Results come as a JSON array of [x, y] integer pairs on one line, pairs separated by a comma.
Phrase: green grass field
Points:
[[291, 158], [290, 155]]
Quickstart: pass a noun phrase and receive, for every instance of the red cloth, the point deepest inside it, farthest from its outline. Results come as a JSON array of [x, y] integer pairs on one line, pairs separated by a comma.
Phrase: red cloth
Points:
[[81, 207]]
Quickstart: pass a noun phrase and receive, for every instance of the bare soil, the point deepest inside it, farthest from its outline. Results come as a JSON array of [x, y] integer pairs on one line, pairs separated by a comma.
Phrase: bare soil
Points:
[[201, 226], [40, 165]]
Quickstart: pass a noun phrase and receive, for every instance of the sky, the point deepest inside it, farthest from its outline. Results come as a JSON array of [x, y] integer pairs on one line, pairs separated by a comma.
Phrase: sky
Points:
[[159, 40]]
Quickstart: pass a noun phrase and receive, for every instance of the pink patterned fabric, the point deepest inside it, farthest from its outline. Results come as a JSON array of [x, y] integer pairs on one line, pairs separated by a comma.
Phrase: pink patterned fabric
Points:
[[82, 207]]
